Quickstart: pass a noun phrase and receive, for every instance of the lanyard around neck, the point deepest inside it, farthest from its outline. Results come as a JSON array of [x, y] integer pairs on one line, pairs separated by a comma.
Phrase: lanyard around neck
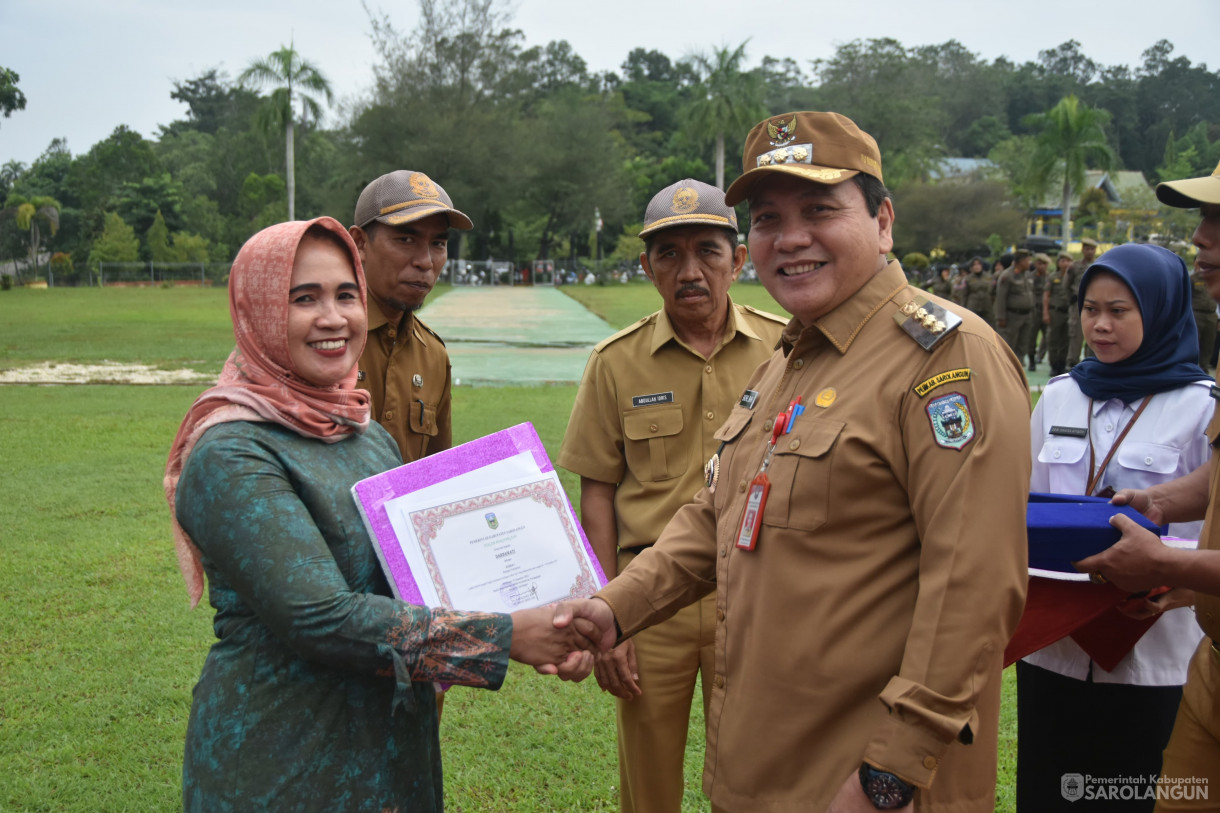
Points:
[[1095, 473]]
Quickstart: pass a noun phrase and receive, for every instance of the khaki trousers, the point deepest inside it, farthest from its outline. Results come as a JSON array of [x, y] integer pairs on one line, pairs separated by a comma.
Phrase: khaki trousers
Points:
[[1190, 773], [652, 728]]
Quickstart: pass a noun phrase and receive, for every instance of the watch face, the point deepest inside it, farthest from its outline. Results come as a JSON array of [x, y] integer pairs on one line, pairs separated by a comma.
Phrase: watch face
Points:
[[886, 791]]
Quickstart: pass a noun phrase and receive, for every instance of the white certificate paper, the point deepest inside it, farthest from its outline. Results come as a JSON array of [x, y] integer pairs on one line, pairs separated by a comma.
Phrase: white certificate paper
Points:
[[496, 539]]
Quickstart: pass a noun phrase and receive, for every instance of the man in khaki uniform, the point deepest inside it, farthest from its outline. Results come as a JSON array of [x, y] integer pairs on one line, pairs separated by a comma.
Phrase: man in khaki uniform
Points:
[[401, 229], [651, 398], [979, 291], [1205, 318], [1190, 773], [1014, 304], [1088, 253], [1038, 323], [1056, 311], [864, 598]]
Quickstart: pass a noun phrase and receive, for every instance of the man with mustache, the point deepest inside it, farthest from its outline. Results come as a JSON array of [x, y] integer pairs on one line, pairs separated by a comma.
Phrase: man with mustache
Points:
[[402, 231], [1139, 561], [642, 427], [863, 595]]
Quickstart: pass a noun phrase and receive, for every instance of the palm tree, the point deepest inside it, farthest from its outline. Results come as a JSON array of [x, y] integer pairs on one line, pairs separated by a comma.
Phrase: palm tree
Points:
[[29, 211], [1071, 136], [291, 78], [729, 99]]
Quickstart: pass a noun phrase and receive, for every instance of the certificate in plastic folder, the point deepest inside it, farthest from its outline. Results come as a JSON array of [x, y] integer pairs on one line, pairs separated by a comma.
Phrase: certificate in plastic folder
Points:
[[482, 526]]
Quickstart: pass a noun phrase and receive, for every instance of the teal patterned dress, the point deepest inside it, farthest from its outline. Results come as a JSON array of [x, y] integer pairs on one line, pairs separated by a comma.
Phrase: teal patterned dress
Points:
[[317, 694]]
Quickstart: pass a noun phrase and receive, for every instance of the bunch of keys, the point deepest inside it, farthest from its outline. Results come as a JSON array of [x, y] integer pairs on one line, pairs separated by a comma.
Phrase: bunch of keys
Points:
[[760, 486]]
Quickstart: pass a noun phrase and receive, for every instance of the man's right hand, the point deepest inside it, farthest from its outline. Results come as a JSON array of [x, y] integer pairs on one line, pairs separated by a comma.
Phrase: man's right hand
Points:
[[1141, 500], [617, 672]]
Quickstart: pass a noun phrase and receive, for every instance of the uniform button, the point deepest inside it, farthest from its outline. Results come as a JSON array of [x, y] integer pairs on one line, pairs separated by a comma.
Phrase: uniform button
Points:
[[1109, 427], [767, 426], [929, 762], [719, 681], [794, 445], [652, 428], [742, 488], [724, 552], [720, 615], [711, 415], [798, 364], [389, 414], [391, 333], [1148, 461], [707, 369], [1057, 453]]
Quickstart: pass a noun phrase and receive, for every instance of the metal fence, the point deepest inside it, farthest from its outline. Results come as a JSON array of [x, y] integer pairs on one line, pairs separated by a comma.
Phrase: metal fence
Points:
[[154, 273]]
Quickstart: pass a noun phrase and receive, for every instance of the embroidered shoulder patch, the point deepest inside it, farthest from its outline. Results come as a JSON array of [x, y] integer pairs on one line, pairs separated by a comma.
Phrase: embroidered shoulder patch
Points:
[[952, 425], [925, 387]]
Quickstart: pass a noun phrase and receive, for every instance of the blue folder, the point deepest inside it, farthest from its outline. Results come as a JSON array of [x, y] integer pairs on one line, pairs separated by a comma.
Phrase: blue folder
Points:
[[1065, 528]]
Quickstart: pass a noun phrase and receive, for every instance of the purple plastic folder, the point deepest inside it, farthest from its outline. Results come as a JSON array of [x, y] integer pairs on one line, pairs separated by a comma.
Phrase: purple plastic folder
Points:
[[373, 493]]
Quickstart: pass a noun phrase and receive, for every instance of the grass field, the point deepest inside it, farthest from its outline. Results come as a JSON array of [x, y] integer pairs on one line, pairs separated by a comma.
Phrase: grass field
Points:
[[98, 651]]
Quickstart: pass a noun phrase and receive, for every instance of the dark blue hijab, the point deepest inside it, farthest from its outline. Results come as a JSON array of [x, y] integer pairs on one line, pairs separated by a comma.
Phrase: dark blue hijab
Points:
[[1168, 357]]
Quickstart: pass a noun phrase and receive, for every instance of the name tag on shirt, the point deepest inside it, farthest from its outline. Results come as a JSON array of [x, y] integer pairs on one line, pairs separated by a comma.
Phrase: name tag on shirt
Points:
[[655, 398], [1215, 392], [748, 398], [1070, 431]]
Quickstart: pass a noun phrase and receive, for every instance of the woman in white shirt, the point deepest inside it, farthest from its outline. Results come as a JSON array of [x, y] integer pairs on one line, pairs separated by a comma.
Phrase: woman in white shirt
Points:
[[1130, 417]]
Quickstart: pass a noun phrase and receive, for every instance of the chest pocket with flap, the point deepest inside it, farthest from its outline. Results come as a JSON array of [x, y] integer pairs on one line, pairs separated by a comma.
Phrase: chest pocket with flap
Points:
[[800, 475], [652, 445]]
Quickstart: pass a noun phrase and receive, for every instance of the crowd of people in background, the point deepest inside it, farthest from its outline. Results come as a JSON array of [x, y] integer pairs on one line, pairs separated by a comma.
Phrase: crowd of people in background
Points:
[[1043, 331]]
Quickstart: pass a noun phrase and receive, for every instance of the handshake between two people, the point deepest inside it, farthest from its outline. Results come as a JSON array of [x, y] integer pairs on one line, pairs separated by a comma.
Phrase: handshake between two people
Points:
[[567, 639]]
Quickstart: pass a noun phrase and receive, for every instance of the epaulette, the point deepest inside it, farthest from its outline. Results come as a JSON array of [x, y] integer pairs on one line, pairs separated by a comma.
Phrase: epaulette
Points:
[[774, 317], [925, 321], [627, 331], [434, 334]]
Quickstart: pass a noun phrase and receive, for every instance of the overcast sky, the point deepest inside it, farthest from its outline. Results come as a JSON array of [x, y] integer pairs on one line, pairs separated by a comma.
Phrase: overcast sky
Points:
[[87, 66]]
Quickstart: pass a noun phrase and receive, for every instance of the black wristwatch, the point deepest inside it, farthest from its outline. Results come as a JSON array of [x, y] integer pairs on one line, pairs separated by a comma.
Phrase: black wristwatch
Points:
[[883, 789]]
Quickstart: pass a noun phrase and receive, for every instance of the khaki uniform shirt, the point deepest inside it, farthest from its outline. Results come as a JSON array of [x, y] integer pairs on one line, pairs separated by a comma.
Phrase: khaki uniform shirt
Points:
[[1207, 607], [889, 572], [1014, 293], [405, 368], [647, 410], [1059, 285], [979, 294]]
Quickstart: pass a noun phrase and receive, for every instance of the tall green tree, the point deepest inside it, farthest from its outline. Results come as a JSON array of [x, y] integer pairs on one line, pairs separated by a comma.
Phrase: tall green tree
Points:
[[292, 79], [31, 213], [1071, 136], [116, 244], [727, 100], [11, 97]]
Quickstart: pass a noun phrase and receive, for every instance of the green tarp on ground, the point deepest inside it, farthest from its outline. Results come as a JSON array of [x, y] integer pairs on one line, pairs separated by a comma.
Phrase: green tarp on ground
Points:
[[514, 335]]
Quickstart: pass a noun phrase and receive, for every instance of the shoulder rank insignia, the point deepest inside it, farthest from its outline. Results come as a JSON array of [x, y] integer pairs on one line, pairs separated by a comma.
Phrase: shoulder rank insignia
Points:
[[926, 322]]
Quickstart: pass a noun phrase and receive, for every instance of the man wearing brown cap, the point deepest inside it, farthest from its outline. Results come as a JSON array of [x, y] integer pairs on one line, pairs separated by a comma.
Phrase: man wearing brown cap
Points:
[[865, 538], [1056, 311], [651, 398], [1088, 254], [1190, 772], [402, 231], [1014, 304]]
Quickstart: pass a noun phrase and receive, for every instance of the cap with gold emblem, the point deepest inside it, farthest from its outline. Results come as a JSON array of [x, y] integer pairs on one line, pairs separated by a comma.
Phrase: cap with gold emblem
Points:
[[1191, 192], [823, 147], [402, 196], [688, 203]]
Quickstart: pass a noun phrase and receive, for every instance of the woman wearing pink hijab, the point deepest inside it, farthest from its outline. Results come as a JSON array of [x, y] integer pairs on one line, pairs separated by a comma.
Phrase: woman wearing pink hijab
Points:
[[317, 694]]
